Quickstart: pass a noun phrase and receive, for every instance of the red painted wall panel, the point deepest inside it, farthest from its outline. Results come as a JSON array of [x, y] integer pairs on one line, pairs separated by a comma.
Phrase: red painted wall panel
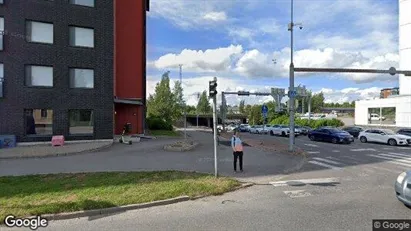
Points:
[[129, 53], [128, 114]]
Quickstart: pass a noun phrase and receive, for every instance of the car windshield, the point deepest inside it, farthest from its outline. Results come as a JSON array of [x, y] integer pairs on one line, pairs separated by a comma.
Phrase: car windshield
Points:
[[283, 126], [334, 130]]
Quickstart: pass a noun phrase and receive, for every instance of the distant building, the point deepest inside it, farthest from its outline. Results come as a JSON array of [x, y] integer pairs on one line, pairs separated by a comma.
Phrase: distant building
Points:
[[387, 92]]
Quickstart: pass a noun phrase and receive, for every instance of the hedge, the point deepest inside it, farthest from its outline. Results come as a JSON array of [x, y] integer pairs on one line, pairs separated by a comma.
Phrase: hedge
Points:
[[310, 123], [156, 123]]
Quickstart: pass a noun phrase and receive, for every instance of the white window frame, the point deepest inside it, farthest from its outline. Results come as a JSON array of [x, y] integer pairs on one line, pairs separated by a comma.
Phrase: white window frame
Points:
[[80, 3], [1, 33], [29, 75], [77, 29], [29, 32], [73, 77], [1, 80]]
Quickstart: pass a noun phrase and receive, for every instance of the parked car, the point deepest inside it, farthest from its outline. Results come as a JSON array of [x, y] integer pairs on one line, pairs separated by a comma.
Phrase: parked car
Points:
[[402, 189], [375, 117], [384, 136], [243, 128], [282, 130], [261, 129], [331, 135], [253, 129], [303, 130], [405, 132], [354, 130]]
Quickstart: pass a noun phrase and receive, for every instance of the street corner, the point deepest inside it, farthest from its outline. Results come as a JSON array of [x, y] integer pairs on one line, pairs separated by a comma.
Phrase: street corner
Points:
[[181, 146]]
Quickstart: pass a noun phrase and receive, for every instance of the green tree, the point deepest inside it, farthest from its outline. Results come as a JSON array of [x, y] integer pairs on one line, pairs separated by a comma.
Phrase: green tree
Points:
[[241, 107], [191, 110], [178, 103], [158, 104], [317, 102], [203, 106], [255, 116]]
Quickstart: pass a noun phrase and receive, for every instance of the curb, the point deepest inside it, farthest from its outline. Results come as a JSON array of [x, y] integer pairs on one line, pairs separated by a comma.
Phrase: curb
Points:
[[58, 154], [244, 185], [95, 212]]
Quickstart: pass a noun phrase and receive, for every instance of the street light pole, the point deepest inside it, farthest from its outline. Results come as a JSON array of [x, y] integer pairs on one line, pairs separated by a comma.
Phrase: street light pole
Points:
[[184, 107], [291, 90]]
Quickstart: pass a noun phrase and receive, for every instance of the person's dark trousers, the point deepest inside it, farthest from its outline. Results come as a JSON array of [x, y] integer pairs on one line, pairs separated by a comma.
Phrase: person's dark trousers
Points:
[[238, 155]]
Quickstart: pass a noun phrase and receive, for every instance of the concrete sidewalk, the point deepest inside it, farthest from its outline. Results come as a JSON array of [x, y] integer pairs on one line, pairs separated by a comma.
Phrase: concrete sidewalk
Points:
[[46, 150], [259, 166]]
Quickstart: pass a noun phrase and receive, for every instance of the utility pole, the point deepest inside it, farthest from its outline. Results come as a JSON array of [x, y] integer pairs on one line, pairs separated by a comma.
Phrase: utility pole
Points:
[[291, 91], [184, 107], [213, 94], [198, 99]]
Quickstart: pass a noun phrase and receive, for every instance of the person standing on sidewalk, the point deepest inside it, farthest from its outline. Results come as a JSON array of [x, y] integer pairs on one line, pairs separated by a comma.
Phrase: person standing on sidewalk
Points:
[[237, 146]]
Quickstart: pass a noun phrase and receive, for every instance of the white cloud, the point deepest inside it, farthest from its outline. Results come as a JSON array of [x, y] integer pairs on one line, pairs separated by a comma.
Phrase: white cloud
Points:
[[215, 16], [349, 94], [211, 60], [256, 64]]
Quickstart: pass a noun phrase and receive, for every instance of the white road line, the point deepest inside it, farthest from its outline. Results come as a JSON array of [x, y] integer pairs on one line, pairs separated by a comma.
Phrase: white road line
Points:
[[297, 193], [335, 150], [404, 148], [324, 165], [306, 181], [352, 159], [362, 149], [313, 152], [328, 161], [311, 145], [392, 160], [398, 158], [400, 154]]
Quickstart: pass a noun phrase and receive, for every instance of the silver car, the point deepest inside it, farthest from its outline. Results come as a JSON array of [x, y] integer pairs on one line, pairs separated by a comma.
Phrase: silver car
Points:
[[403, 188]]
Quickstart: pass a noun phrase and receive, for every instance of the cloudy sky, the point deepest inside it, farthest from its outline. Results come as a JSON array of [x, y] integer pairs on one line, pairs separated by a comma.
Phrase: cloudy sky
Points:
[[237, 41]]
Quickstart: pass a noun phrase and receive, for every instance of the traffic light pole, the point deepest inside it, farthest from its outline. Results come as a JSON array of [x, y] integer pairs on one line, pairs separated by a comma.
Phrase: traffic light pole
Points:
[[213, 94]]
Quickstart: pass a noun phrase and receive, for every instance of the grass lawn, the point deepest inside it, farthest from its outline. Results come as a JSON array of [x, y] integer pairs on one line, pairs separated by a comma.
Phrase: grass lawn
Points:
[[56, 193], [164, 133]]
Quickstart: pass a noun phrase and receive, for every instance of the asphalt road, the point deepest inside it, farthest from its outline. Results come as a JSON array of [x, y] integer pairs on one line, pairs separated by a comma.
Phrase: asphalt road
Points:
[[341, 187]]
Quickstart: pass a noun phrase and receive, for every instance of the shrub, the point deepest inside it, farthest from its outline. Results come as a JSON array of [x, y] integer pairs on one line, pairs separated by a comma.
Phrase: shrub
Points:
[[156, 123], [310, 123]]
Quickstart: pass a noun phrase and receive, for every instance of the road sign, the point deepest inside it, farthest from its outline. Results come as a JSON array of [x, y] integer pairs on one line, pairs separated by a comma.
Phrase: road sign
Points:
[[265, 114], [392, 71], [264, 109], [292, 93]]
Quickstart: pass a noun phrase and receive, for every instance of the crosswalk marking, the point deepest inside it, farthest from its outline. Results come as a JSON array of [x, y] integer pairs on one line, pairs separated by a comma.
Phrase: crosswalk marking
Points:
[[328, 161], [305, 181], [399, 158], [313, 152], [392, 160], [297, 193], [311, 145], [400, 154], [335, 150], [362, 149], [324, 165]]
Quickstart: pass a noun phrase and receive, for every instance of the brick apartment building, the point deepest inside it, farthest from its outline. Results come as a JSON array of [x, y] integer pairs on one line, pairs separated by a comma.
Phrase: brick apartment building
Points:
[[71, 67]]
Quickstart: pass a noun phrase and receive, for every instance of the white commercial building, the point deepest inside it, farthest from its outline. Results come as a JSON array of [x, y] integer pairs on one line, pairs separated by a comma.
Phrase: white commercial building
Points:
[[398, 105]]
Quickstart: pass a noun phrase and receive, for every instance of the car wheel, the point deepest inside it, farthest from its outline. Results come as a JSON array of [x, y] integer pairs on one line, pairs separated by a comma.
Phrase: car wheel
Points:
[[312, 138], [363, 139], [283, 133], [271, 133], [392, 142], [334, 140]]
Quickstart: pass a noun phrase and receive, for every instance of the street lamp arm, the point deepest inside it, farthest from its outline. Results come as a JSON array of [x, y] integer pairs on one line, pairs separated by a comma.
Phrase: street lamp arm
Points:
[[391, 71]]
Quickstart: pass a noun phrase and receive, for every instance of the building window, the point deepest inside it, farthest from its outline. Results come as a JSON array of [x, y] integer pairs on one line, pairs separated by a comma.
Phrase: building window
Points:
[[81, 122], [81, 37], [43, 113], [1, 33], [37, 124], [39, 32], [81, 78], [39, 76], [1, 80], [89, 3]]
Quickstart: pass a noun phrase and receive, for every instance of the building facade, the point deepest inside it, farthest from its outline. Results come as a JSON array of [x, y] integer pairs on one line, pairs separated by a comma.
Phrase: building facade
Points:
[[396, 109], [57, 69], [130, 64]]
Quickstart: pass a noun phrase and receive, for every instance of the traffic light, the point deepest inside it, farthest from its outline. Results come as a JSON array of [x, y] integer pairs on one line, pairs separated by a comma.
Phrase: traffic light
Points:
[[212, 88]]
